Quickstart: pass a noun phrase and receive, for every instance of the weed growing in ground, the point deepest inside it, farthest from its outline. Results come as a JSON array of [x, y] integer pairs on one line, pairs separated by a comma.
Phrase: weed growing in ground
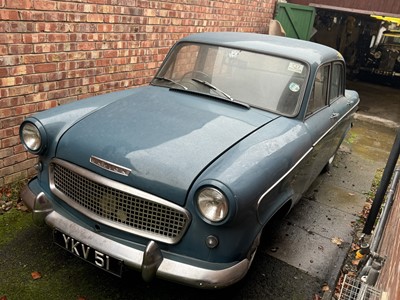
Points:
[[351, 266], [10, 196]]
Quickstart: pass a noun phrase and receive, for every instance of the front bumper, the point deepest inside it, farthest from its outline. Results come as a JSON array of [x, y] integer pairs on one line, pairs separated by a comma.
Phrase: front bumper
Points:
[[151, 262]]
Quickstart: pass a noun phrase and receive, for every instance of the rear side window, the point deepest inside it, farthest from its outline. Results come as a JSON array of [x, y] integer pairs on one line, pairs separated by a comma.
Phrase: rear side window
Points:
[[337, 82], [320, 90]]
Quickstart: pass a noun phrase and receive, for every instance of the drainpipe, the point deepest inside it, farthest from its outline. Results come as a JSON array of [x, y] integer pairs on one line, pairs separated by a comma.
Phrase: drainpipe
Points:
[[380, 193], [385, 214]]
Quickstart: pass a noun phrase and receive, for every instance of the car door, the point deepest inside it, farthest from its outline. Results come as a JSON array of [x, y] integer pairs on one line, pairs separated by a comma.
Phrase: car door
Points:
[[340, 105], [319, 121]]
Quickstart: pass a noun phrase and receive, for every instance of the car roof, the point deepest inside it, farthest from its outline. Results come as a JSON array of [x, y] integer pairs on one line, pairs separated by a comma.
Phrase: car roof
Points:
[[308, 52]]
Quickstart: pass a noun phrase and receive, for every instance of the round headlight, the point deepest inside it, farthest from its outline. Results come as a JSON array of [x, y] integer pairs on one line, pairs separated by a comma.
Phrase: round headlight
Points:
[[212, 204], [398, 58], [378, 54], [31, 137]]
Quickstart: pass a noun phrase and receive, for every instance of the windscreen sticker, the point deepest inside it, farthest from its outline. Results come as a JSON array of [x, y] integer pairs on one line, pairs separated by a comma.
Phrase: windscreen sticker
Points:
[[294, 87], [295, 67], [234, 53]]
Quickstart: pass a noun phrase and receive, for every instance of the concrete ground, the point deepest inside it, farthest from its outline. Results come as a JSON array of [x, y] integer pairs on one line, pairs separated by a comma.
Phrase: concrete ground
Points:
[[379, 104], [318, 233]]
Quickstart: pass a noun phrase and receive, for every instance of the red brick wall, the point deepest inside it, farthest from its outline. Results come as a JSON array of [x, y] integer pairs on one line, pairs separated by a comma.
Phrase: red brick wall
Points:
[[388, 280], [54, 52]]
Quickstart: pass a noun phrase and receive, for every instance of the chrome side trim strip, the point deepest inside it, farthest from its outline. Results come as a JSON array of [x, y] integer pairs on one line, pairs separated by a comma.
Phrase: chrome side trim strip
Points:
[[334, 125], [284, 176], [172, 270], [305, 155]]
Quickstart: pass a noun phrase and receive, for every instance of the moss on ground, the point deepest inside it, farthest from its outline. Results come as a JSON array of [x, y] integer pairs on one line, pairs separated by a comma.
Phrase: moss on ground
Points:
[[11, 224]]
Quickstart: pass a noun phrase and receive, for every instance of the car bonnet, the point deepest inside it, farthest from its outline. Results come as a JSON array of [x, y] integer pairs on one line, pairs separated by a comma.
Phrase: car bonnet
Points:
[[165, 138]]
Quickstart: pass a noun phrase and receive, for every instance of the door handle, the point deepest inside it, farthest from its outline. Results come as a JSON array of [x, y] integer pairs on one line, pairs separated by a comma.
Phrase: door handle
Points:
[[334, 115]]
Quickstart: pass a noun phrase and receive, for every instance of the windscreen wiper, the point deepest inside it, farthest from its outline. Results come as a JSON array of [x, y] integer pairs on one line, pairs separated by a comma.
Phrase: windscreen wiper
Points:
[[172, 81], [227, 96]]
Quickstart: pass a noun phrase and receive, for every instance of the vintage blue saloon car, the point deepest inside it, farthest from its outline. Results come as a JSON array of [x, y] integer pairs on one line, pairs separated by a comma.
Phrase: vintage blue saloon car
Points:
[[178, 179]]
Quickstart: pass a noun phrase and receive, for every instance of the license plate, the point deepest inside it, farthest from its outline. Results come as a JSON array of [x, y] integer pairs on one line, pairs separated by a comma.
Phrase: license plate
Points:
[[95, 257]]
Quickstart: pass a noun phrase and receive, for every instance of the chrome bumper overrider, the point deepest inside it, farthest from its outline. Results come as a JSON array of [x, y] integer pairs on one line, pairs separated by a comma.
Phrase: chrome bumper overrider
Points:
[[151, 262]]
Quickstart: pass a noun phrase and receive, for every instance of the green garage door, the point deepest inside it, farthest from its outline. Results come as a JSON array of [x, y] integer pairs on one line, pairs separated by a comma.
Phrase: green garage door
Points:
[[296, 20]]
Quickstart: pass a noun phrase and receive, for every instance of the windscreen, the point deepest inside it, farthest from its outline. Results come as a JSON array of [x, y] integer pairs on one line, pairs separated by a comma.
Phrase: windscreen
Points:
[[264, 81]]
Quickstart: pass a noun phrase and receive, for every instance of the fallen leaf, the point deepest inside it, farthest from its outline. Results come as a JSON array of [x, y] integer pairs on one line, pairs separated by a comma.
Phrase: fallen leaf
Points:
[[355, 247], [81, 298], [3, 297], [355, 262], [337, 241], [36, 275], [325, 288], [339, 285], [22, 207]]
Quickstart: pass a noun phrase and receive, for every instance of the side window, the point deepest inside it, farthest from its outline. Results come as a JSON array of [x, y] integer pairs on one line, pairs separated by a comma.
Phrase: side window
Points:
[[337, 82], [320, 90]]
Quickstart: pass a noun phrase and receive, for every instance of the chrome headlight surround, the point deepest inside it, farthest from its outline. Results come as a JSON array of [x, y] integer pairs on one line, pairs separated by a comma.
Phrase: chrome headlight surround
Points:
[[398, 58], [33, 136], [212, 204]]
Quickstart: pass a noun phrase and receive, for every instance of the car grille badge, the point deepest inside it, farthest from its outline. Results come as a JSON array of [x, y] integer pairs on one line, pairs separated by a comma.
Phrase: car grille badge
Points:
[[111, 209], [109, 166]]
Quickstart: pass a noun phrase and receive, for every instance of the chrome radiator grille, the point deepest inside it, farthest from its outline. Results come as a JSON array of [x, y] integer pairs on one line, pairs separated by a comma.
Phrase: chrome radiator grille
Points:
[[118, 205]]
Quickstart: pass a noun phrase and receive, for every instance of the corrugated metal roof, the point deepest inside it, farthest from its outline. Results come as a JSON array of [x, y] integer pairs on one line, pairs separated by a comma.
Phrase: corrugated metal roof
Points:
[[377, 7]]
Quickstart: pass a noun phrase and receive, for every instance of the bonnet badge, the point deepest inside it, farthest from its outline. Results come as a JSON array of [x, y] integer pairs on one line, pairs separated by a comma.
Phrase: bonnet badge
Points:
[[109, 166]]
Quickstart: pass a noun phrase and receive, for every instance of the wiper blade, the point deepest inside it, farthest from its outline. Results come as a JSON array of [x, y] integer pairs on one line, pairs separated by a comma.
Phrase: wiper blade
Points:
[[210, 85], [227, 96], [172, 81]]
